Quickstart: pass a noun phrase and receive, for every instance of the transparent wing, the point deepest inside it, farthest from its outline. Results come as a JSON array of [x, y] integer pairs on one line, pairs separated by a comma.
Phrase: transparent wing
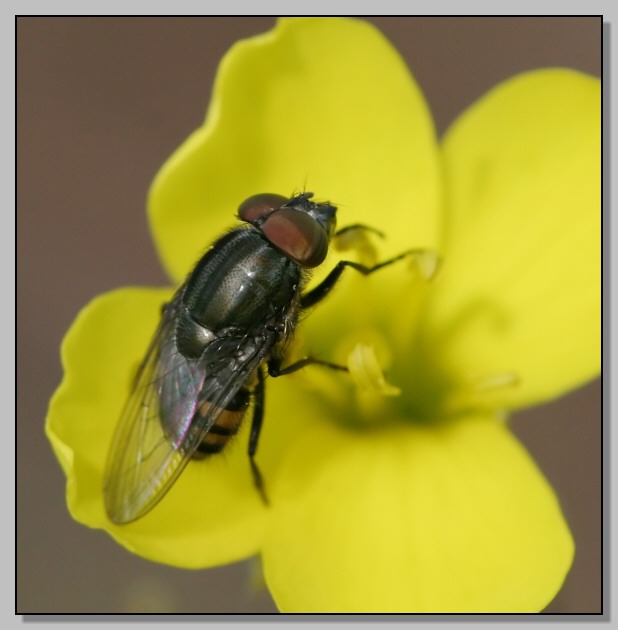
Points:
[[166, 418]]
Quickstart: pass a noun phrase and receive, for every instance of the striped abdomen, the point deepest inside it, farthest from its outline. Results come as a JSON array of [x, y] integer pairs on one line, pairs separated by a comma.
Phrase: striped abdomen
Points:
[[226, 425]]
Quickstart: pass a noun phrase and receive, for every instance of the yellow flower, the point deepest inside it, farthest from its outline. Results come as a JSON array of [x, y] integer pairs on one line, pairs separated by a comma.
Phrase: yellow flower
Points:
[[422, 500]]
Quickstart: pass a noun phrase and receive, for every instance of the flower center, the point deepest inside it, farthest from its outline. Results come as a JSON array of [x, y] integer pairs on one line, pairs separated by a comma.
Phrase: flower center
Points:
[[371, 326]]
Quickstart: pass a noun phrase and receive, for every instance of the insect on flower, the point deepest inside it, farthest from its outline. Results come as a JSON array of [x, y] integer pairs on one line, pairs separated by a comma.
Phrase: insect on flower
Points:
[[225, 326]]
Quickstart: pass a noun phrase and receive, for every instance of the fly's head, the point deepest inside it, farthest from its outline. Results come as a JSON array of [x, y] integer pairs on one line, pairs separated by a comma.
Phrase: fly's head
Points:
[[297, 226]]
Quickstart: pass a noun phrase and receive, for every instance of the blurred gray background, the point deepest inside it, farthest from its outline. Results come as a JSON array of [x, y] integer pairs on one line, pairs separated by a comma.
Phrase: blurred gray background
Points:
[[101, 103]]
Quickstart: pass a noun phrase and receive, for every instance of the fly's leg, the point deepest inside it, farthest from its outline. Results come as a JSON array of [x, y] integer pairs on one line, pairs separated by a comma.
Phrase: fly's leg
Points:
[[275, 369], [256, 426], [318, 293], [323, 289]]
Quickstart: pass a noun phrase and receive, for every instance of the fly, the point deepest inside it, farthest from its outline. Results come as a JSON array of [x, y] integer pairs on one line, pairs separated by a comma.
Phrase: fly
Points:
[[226, 327]]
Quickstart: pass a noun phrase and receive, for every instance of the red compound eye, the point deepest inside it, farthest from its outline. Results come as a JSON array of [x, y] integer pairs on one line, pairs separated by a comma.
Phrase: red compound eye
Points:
[[298, 235], [257, 206]]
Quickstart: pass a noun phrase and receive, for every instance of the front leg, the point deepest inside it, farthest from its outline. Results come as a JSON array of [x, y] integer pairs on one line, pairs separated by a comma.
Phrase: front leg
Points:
[[275, 369], [256, 427], [318, 293]]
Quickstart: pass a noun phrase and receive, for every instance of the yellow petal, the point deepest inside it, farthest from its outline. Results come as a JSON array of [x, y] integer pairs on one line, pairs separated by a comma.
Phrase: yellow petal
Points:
[[450, 518], [519, 291], [212, 514], [325, 105]]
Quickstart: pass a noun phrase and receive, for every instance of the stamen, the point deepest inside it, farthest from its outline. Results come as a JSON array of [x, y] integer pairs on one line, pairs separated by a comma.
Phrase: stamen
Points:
[[490, 384], [367, 373], [487, 392]]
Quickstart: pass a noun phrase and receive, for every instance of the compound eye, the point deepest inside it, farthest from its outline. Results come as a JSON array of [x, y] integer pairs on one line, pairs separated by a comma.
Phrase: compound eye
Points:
[[257, 206], [297, 235]]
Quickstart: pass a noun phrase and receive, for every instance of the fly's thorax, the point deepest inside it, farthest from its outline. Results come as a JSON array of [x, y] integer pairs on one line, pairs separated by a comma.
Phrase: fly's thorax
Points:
[[241, 282]]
